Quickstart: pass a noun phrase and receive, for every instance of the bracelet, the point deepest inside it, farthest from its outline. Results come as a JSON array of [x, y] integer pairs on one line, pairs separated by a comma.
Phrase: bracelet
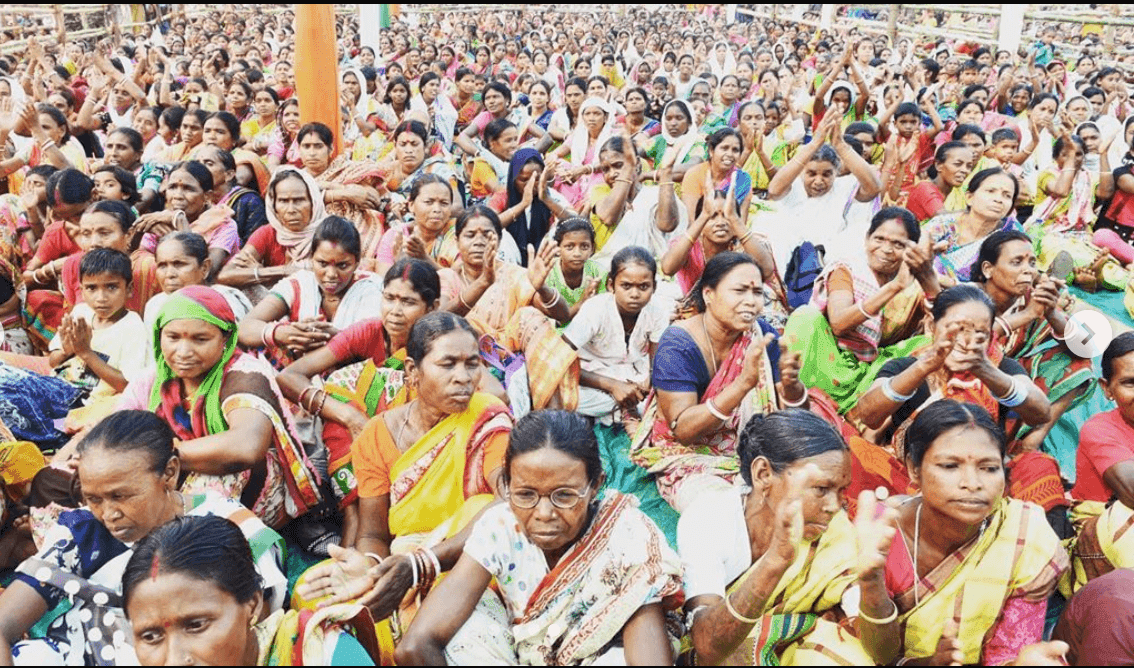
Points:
[[745, 237], [736, 615], [304, 393], [373, 556], [322, 402], [461, 298], [268, 334], [1068, 329], [879, 622], [692, 241], [716, 411], [892, 394], [413, 564], [256, 273], [47, 144], [553, 302], [436, 562], [1004, 325], [667, 183], [862, 310], [1017, 396], [797, 404]]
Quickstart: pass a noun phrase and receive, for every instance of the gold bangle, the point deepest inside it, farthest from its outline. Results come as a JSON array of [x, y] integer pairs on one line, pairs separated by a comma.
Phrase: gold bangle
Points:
[[692, 241], [879, 622], [741, 618]]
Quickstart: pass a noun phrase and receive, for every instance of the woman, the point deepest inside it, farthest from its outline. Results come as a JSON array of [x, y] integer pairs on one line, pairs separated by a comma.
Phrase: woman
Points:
[[957, 236], [1064, 215], [190, 593], [958, 529], [397, 102], [678, 129], [51, 143], [949, 171], [724, 113], [247, 205], [710, 372], [124, 149], [425, 233], [306, 309], [222, 130], [128, 470], [962, 363], [257, 131], [277, 250], [191, 135], [576, 174], [238, 100], [866, 311], [465, 101], [413, 158], [362, 106], [237, 439], [572, 594], [438, 107], [424, 469], [755, 162], [636, 124], [284, 147], [539, 110], [529, 207], [1031, 325], [182, 259], [719, 174], [489, 172], [478, 266], [565, 119], [754, 594]]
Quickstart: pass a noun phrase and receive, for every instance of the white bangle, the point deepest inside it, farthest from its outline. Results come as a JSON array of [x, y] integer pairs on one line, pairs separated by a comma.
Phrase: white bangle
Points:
[[715, 411], [436, 562], [413, 564], [1017, 395], [892, 394], [797, 404], [375, 557], [879, 622], [863, 311]]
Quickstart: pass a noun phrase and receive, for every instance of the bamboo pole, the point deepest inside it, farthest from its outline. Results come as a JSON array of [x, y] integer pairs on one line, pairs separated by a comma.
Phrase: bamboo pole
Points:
[[892, 24], [59, 26]]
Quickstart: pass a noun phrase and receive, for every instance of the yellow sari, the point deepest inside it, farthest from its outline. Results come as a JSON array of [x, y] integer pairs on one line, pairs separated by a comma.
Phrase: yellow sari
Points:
[[1016, 554], [1103, 542]]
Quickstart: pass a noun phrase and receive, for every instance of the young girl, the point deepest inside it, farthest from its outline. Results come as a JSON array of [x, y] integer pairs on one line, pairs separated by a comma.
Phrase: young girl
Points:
[[112, 182], [576, 277], [616, 335]]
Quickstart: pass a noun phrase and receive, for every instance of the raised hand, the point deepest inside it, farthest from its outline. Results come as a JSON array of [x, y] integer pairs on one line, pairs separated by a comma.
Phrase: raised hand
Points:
[[540, 264], [787, 532], [1051, 653], [936, 355], [875, 526], [791, 362], [1044, 297], [753, 363]]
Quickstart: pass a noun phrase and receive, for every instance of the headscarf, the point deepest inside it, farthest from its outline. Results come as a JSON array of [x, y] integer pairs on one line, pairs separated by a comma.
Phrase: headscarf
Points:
[[196, 302], [18, 94], [1090, 160], [844, 85], [1122, 153], [534, 229], [729, 65], [297, 244], [670, 140], [580, 138]]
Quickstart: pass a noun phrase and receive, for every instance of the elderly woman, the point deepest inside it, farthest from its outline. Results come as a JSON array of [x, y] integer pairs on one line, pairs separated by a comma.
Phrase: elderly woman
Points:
[[276, 250], [710, 371], [577, 173], [595, 588], [224, 406], [128, 470]]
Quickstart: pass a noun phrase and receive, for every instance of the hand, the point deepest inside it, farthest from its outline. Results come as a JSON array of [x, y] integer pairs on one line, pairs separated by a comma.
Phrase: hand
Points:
[[948, 647], [362, 196], [830, 120], [904, 278], [529, 190], [543, 188], [919, 257], [539, 264], [394, 577], [345, 578], [907, 149], [590, 290], [29, 116], [875, 526], [488, 274], [1051, 653], [80, 337], [9, 119], [627, 394], [787, 532], [66, 336], [753, 364], [1044, 297], [791, 363], [415, 247], [935, 356]]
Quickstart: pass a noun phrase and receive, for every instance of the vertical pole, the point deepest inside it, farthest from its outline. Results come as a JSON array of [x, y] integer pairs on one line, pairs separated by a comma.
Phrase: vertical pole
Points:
[[61, 30], [1011, 27], [369, 28], [827, 16], [892, 26], [1109, 30], [317, 68]]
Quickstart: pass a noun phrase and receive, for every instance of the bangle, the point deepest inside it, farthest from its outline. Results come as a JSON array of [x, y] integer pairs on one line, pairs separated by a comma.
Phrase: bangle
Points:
[[1004, 325], [716, 411], [303, 394], [436, 562], [626, 181], [256, 273], [461, 298], [1017, 395], [268, 334], [797, 404], [879, 622], [373, 556], [692, 241], [892, 394], [413, 564], [666, 183], [553, 302], [745, 237], [863, 311], [322, 402], [736, 615]]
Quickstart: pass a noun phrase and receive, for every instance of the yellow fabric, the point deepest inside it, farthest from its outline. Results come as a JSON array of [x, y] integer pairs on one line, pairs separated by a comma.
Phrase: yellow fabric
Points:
[[1115, 537], [1016, 549], [434, 496]]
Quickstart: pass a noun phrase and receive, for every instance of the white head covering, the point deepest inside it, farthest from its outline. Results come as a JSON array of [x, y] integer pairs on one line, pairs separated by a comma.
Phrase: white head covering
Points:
[[670, 139], [360, 105], [844, 85], [580, 138], [729, 66]]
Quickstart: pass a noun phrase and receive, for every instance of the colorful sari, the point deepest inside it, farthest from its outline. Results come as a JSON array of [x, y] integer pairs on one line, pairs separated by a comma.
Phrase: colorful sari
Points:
[[956, 261], [290, 487], [370, 223], [798, 626], [337, 635], [1102, 544], [683, 471], [1015, 556], [845, 367]]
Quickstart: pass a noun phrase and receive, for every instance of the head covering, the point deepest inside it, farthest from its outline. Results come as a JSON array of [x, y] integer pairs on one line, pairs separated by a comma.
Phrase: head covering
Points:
[[580, 138], [538, 219], [844, 85], [729, 65], [196, 302], [297, 244], [670, 140], [360, 104]]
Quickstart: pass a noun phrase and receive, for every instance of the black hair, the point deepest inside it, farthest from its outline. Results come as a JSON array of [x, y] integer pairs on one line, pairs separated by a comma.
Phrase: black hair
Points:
[[961, 294], [414, 127], [495, 129], [68, 186], [546, 86], [338, 231], [784, 438], [173, 117], [192, 243], [57, 117], [479, 211], [990, 251], [421, 276], [200, 114], [1042, 97], [322, 131], [499, 88], [628, 256], [1092, 91], [564, 431], [428, 179], [643, 94], [431, 327], [1121, 346], [574, 225], [270, 91], [932, 69], [1004, 134], [978, 179], [399, 81], [200, 173], [106, 261], [133, 138], [1061, 144], [716, 269], [126, 180], [907, 109], [860, 127], [717, 138], [941, 417], [44, 171], [231, 124], [204, 548], [900, 214], [969, 102], [826, 153], [133, 431], [965, 129], [463, 72]]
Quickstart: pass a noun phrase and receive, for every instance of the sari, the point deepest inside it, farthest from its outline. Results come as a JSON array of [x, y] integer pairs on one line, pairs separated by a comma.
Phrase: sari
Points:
[[798, 625], [683, 471], [290, 487], [297, 245], [845, 367], [957, 260], [337, 635], [1103, 542], [143, 286], [370, 223], [574, 613], [1016, 556], [246, 158]]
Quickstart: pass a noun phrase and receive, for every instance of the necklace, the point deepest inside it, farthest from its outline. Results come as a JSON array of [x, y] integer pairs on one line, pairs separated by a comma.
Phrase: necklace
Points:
[[916, 549], [709, 340], [405, 423]]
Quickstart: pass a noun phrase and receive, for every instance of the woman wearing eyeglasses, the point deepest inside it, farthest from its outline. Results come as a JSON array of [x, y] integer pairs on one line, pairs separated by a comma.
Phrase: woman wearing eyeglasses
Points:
[[585, 577]]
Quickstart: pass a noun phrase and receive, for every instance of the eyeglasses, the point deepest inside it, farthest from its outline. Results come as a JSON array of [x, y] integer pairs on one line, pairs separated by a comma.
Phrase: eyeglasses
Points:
[[563, 498]]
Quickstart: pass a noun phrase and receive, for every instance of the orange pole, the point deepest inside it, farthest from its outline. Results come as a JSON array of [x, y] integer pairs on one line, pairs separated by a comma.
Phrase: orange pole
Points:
[[317, 68]]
